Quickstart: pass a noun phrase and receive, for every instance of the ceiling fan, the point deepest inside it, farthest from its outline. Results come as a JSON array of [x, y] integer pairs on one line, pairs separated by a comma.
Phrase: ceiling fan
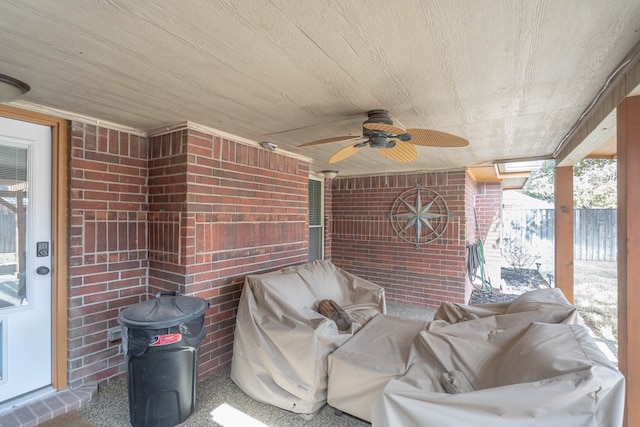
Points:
[[394, 142]]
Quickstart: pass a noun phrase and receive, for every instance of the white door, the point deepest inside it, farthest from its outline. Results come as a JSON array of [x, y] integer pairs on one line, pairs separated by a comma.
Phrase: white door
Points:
[[25, 258]]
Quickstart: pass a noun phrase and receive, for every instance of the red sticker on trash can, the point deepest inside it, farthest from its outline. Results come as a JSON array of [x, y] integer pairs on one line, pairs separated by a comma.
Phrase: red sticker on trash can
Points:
[[166, 339]]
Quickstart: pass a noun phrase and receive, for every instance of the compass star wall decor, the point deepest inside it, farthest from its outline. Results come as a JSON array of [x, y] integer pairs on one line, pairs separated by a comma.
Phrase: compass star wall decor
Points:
[[419, 215]]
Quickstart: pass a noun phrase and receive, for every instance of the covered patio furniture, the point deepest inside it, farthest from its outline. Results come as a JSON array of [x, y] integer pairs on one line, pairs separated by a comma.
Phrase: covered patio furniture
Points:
[[281, 340], [359, 369], [493, 371], [541, 305]]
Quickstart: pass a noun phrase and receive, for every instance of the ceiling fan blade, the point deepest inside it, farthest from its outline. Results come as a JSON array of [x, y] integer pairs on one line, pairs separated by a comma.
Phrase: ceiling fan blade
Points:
[[393, 130], [345, 153], [328, 140], [403, 152], [435, 138]]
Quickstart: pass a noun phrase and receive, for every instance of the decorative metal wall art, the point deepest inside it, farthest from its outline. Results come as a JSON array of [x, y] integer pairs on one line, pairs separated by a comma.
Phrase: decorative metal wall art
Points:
[[419, 216]]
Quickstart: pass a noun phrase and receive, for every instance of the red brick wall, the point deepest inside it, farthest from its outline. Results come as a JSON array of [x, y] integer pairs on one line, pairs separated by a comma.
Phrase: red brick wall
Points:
[[364, 243], [107, 244], [488, 210], [328, 209], [219, 210], [488, 202], [469, 209], [190, 212]]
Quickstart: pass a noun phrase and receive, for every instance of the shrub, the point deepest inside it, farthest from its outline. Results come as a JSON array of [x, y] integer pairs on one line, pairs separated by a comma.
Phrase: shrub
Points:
[[519, 255]]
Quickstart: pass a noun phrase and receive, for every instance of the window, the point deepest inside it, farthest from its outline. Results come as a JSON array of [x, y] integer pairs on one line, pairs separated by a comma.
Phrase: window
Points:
[[316, 226]]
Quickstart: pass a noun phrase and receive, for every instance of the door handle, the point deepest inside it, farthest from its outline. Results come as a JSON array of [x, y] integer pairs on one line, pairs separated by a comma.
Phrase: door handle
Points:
[[42, 270]]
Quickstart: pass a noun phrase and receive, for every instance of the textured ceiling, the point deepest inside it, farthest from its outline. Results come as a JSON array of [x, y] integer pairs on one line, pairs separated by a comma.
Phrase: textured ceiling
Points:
[[511, 76]]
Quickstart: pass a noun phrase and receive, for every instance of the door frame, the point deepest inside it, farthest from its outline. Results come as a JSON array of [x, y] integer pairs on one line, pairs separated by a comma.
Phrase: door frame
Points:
[[59, 226]]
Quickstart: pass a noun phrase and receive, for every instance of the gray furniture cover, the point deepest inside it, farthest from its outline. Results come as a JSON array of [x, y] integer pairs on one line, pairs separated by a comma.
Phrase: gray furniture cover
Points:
[[519, 373], [282, 343], [359, 369], [541, 305]]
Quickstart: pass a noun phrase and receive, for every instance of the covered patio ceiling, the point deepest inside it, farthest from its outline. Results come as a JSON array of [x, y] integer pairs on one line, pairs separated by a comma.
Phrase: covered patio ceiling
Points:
[[513, 77]]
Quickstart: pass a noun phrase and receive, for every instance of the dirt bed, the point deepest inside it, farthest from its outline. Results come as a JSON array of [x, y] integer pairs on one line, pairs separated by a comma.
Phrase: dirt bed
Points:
[[515, 283]]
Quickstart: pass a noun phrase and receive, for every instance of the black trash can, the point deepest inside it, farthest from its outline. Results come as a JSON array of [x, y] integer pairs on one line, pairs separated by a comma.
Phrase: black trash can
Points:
[[161, 338]]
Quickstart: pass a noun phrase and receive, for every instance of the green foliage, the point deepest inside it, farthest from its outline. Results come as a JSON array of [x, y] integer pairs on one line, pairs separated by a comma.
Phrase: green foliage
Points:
[[594, 183], [541, 183]]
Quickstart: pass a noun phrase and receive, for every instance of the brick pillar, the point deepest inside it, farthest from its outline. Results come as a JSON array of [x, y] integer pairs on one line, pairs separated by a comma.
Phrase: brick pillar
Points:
[[219, 210]]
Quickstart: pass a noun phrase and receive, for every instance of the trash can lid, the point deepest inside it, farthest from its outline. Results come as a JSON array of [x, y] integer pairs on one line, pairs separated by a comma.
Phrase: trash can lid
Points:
[[163, 312]]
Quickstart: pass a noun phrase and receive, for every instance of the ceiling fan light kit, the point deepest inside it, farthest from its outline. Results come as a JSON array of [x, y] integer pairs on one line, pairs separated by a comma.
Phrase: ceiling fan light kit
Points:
[[392, 142]]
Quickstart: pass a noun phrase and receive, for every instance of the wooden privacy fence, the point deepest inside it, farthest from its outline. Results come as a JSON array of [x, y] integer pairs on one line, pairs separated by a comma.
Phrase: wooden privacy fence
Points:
[[594, 230]]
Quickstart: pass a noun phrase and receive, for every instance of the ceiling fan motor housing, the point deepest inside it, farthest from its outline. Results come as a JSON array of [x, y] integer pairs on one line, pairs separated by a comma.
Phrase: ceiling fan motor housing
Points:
[[379, 139], [379, 116]]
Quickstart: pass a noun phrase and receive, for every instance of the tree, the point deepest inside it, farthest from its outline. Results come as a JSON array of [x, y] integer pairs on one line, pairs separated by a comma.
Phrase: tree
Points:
[[594, 183], [540, 184]]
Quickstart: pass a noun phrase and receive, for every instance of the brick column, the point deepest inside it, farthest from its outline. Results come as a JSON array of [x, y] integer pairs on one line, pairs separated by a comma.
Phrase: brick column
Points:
[[219, 210]]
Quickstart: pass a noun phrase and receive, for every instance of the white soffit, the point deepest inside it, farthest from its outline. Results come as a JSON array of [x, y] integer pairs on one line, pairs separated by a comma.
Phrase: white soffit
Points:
[[513, 77]]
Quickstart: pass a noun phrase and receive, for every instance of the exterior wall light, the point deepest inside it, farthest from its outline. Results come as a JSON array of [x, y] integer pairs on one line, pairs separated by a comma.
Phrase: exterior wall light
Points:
[[271, 146], [329, 174], [11, 89]]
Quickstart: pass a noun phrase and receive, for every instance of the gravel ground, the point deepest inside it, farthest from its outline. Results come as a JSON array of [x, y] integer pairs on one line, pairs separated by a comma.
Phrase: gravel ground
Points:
[[482, 297], [514, 284]]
